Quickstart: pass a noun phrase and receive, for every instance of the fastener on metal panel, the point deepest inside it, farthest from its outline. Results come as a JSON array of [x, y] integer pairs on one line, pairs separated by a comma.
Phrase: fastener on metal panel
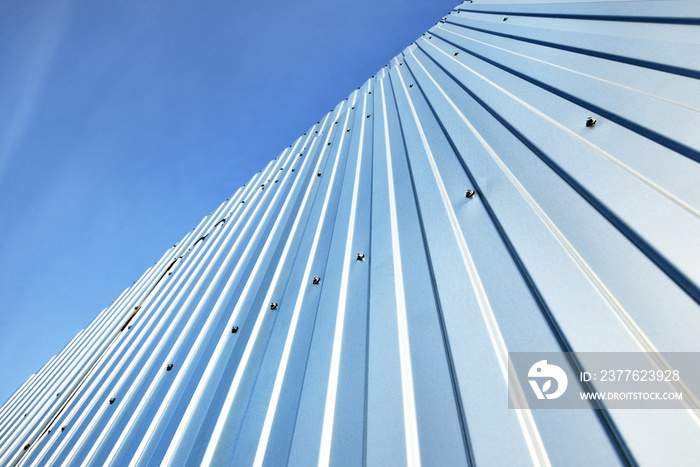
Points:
[[273, 306], [591, 122], [234, 330], [169, 367], [336, 122], [456, 53], [111, 401], [292, 170], [410, 85], [26, 446], [319, 174], [430, 37], [505, 19], [317, 280], [329, 143], [470, 193], [353, 106], [276, 181], [360, 257], [370, 92], [367, 116], [347, 130]]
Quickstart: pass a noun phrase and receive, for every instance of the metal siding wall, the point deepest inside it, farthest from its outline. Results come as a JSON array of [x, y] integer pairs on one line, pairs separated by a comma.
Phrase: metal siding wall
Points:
[[577, 239]]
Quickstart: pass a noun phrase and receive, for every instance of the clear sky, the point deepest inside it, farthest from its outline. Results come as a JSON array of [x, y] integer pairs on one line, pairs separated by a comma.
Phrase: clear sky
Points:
[[123, 123]]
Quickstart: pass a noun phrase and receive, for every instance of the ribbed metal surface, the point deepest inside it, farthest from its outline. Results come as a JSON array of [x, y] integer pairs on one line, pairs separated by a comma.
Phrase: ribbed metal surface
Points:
[[577, 238]]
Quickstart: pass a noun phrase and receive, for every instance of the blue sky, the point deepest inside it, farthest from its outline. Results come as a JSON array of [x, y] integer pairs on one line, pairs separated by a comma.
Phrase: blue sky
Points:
[[123, 123]]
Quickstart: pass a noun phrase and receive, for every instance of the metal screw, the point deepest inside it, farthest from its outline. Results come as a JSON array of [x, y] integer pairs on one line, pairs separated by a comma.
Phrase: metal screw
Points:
[[319, 174], [292, 170], [505, 19], [26, 446], [456, 53], [370, 92], [329, 143], [410, 86], [63, 428], [273, 306], [234, 330], [591, 122], [470, 193], [367, 116], [347, 130], [317, 280], [169, 367], [360, 257], [111, 401], [353, 106]]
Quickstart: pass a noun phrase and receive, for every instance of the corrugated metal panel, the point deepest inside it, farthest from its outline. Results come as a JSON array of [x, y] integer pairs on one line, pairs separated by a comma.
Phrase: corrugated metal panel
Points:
[[577, 238]]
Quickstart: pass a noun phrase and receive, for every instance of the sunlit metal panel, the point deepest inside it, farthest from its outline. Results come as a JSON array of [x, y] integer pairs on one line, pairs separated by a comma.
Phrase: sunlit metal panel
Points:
[[523, 177]]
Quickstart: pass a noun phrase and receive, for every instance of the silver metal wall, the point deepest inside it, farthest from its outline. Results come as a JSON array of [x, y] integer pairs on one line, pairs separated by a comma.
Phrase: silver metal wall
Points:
[[577, 238]]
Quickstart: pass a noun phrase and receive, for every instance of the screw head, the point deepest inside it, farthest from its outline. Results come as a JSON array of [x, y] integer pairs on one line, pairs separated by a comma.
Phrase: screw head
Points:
[[273, 306], [591, 122], [234, 330], [317, 280], [470, 193], [360, 257], [111, 401], [319, 174], [169, 367]]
